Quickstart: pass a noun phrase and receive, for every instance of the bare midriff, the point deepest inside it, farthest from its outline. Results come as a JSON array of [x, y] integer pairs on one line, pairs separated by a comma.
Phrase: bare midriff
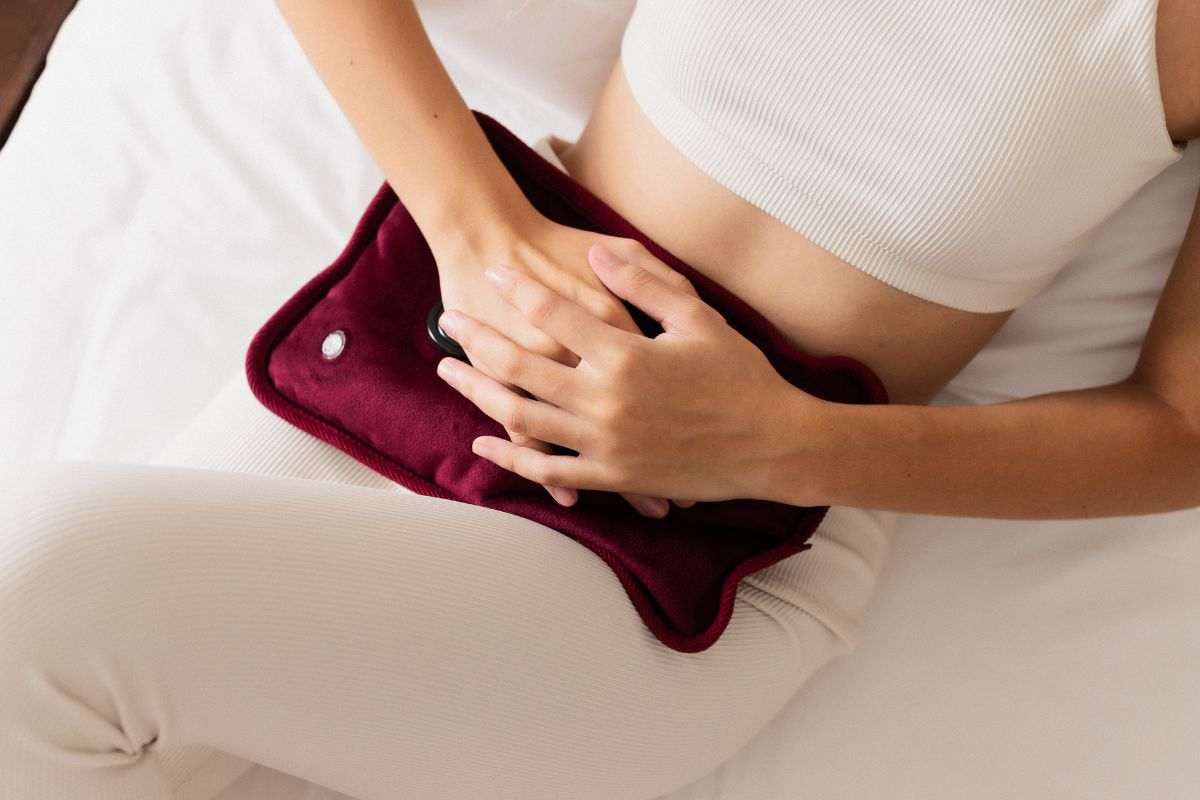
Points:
[[820, 302]]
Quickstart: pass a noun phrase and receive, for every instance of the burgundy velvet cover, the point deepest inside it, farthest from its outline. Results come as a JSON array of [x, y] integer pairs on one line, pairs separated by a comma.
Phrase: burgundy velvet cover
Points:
[[382, 402]]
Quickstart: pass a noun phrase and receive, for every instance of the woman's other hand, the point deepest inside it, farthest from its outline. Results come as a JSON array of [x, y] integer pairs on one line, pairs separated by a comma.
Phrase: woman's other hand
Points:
[[697, 411], [557, 257]]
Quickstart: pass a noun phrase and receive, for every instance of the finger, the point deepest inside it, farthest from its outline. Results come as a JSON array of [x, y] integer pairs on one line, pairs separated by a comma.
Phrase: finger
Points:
[[654, 507], [525, 415], [555, 470], [683, 503], [504, 360], [591, 296], [646, 505], [565, 321], [664, 273], [604, 305], [564, 496], [675, 309], [541, 343], [601, 304]]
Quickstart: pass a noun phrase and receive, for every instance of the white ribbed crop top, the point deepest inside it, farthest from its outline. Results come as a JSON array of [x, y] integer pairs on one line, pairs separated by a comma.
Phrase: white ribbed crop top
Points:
[[959, 151]]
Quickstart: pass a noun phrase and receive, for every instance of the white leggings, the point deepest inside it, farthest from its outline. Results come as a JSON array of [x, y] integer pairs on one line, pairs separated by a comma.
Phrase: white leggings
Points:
[[258, 596]]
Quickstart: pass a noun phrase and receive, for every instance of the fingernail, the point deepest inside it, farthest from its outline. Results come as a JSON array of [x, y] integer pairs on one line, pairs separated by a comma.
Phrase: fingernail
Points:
[[497, 274], [445, 368], [448, 321], [604, 256]]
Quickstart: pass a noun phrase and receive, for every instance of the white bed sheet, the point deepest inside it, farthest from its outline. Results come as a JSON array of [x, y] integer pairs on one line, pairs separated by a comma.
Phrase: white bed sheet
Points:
[[179, 171]]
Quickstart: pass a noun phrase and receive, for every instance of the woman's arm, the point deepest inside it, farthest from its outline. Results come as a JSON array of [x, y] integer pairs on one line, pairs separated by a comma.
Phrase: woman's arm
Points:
[[1132, 447], [378, 63], [1129, 448], [699, 412], [376, 59], [633, 411]]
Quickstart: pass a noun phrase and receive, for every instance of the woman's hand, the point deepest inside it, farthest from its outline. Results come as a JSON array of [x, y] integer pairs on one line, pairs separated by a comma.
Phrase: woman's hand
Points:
[[696, 411], [556, 255], [380, 66]]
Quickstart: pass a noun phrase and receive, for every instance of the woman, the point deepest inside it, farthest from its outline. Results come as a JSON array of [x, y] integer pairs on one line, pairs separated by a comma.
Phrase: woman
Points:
[[888, 188]]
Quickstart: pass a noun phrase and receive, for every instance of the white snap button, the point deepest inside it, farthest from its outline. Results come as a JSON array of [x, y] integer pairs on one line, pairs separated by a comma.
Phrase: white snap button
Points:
[[334, 344]]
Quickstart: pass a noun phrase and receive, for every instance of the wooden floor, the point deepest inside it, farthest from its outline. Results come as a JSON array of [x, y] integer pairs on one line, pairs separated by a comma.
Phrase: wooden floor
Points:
[[27, 27]]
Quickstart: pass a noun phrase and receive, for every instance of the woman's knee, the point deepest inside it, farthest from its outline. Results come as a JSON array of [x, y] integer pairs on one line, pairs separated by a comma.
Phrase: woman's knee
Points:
[[63, 553], [61, 544], [52, 516]]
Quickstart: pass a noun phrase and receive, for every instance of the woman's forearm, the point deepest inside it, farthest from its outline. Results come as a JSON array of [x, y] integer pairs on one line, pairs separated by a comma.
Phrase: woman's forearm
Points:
[[1109, 451], [378, 63]]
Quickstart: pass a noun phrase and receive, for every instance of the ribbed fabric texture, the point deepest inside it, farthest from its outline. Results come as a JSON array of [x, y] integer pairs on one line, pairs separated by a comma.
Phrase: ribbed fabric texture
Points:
[[164, 627], [960, 152]]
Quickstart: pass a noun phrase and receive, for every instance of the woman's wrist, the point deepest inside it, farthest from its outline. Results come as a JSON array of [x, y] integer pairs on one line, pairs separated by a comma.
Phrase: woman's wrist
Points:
[[799, 445], [471, 229]]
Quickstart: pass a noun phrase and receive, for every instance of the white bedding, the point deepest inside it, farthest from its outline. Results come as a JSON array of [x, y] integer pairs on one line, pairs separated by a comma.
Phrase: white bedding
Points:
[[179, 171]]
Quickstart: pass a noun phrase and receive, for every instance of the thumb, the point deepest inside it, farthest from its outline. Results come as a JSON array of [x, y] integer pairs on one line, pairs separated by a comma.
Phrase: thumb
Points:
[[672, 307]]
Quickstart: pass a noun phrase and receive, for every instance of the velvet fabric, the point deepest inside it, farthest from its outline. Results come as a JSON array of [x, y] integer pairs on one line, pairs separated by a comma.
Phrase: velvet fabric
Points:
[[381, 401]]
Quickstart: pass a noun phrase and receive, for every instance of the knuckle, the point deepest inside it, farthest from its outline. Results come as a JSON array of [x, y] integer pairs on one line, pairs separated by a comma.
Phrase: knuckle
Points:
[[695, 311], [638, 278], [609, 412], [541, 306], [511, 363], [515, 416], [605, 307], [499, 364], [623, 363], [678, 279]]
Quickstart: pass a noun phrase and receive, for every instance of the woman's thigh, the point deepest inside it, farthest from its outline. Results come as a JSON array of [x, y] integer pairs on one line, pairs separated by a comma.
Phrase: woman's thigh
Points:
[[364, 638]]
